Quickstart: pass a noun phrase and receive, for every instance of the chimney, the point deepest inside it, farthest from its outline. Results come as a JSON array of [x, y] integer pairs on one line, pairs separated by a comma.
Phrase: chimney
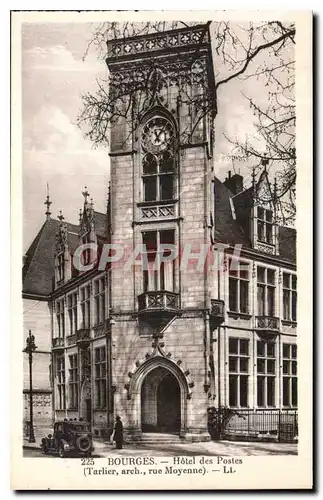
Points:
[[234, 183]]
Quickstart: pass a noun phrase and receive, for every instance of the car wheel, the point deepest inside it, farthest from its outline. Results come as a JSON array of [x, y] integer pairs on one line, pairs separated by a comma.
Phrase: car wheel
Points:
[[83, 443], [61, 452]]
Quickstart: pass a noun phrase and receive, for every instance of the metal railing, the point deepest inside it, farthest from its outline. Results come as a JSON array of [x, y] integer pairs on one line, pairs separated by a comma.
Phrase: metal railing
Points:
[[262, 423]]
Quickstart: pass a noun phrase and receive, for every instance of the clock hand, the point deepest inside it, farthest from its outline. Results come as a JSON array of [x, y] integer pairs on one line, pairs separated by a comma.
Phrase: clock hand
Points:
[[158, 134]]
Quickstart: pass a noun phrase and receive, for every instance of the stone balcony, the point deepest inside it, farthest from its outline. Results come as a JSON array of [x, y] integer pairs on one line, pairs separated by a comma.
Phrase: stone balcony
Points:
[[83, 337], [267, 324], [58, 343], [158, 302], [102, 329], [217, 309], [216, 313]]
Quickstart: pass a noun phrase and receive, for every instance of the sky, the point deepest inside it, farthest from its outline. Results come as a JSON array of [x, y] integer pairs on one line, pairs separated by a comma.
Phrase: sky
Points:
[[54, 76]]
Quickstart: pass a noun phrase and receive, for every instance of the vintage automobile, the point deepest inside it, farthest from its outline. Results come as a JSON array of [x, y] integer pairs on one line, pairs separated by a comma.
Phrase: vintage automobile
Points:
[[69, 437]]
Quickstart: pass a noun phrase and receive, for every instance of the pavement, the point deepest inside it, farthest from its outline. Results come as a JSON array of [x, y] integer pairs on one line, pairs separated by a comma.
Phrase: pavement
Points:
[[103, 448]]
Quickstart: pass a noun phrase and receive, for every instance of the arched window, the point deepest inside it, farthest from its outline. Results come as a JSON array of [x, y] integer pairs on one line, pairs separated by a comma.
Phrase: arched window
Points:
[[158, 160]]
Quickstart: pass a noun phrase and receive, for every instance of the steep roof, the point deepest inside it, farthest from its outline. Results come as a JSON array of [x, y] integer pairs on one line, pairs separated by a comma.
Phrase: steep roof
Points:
[[39, 267], [232, 219], [100, 224], [287, 243], [38, 270], [226, 228]]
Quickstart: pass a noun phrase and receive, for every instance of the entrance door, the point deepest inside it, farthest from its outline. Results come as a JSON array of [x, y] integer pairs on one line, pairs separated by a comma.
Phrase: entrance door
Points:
[[168, 405], [160, 402]]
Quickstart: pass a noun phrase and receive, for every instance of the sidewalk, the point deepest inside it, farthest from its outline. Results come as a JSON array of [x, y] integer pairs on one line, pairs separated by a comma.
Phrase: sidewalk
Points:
[[210, 448]]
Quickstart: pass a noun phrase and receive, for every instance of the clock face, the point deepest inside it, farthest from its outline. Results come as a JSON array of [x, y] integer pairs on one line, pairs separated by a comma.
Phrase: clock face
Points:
[[157, 134]]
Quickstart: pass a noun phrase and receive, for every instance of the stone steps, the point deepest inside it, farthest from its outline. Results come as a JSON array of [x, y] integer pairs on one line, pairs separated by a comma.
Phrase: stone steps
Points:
[[159, 438]]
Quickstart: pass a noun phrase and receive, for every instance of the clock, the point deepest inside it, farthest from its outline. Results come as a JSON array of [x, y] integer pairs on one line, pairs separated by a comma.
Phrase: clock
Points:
[[157, 135]]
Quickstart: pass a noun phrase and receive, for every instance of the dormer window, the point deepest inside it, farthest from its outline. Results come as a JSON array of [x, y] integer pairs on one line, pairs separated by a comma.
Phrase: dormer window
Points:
[[60, 268], [265, 225], [86, 255]]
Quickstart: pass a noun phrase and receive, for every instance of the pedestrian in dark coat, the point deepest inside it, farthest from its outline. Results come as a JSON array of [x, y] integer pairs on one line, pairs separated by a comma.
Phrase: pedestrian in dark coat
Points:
[[118, 433]]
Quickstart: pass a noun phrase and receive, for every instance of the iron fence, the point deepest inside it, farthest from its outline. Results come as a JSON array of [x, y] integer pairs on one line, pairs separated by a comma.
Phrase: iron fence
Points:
[[263, 423]]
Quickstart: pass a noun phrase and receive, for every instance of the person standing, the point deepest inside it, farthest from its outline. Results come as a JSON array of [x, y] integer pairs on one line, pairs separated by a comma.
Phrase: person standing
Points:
[[118, 433]]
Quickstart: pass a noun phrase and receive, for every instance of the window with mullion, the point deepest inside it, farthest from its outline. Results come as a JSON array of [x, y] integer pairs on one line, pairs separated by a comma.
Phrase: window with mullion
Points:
[[289, 375], [99, 300], [85, 293], [73, 381], [289, 296], [61, 403], [86, 254], [72, 312], [265, 225], [238, 286], [100, 377], [60, 318], [266, 291], [158, 275], [158, 176], [266, 374], [60, 267], [238, 372]]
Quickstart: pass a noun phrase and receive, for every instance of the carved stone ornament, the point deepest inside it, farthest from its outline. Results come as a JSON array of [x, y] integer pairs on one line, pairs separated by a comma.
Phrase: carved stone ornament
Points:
[[61, 237]]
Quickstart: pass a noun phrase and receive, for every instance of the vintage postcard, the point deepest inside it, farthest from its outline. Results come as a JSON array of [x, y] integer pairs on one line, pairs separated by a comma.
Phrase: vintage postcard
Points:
[[162, 221]]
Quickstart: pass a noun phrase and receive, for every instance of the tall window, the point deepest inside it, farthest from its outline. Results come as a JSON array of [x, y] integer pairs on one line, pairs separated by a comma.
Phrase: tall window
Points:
[[73, 381], [61, 404], [289, 375], [86, 255], [289, 296], [60, 318], [85, 294], [238, 286], [72, 312], [99, 300], [266, 291], [238, 372], [60, 267], [158, 275], [265, 225], [266, 373], [100, 377], [158, 163]]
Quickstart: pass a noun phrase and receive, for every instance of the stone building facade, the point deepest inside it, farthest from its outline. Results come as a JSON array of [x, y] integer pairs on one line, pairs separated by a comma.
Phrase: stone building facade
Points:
[[214, 322]]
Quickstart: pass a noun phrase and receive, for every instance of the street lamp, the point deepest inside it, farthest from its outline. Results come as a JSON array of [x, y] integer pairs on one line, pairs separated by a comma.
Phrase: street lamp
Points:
[[30, 348]]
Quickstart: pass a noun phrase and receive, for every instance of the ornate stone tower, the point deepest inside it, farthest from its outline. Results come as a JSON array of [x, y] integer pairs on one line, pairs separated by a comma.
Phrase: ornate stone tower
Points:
[[162, 204]]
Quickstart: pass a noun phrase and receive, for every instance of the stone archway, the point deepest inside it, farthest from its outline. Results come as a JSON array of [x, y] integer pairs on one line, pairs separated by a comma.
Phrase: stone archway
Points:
[[160, 402], [159, 393]]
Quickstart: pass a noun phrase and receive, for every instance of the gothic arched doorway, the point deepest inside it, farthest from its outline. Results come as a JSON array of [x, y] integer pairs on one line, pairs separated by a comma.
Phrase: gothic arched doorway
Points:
[[160, 402]]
